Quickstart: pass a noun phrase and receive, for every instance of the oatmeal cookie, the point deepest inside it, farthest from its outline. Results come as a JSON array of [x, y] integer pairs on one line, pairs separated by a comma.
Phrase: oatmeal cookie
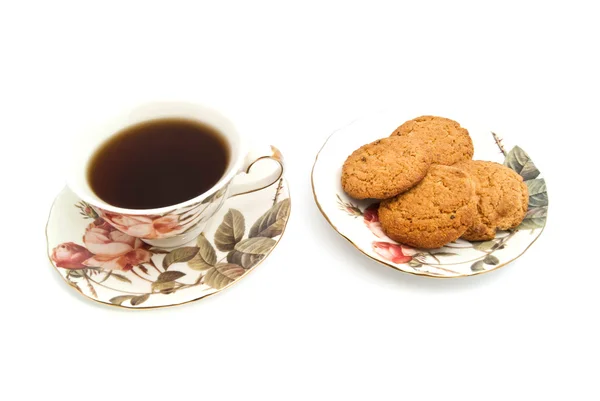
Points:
[[502, 199], [385, 168], [447, 141], [436, 211]]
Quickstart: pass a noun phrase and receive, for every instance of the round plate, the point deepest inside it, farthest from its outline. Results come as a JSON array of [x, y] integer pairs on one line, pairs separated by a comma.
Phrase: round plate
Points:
[[357, 221], [238, 238]]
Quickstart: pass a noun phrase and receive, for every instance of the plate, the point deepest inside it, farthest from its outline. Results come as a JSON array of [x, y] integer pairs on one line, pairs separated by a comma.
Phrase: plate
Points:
[[128, 273], [357, 220]]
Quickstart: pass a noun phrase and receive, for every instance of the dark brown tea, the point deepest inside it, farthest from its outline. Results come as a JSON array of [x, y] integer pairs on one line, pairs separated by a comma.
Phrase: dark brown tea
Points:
[[158, 163]]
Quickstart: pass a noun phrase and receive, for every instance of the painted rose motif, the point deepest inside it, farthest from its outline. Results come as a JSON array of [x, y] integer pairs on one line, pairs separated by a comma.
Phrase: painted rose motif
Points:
[[391, 252], [371, 219], [145, 226], [112, 249], [105, 247], [70, 256], [155, 226]]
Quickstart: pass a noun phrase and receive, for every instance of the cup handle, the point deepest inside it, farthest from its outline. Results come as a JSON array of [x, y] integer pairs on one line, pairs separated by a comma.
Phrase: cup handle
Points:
[[255, 181]]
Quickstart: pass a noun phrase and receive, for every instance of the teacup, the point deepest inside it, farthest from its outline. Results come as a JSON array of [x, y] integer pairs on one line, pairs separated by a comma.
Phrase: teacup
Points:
[[177, 224]]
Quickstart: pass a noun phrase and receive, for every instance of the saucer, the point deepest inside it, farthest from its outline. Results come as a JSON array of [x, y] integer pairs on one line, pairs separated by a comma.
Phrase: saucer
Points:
[[239, 237], [357, 220]]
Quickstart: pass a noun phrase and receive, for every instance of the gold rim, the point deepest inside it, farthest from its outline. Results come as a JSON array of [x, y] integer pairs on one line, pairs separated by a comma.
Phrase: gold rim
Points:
[[422, 274], [170, 305]]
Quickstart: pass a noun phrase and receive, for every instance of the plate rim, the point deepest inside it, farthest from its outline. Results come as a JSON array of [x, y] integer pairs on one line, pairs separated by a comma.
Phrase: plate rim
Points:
[[415, 273]]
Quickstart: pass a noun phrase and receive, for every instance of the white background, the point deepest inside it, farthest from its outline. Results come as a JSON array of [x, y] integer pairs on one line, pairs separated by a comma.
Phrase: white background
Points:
[[317, 320]]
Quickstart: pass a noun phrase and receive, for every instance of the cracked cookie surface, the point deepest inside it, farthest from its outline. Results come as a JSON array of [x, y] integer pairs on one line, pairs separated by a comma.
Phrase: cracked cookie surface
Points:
[[447, 141], [502, 199], [385, 168], [436, 211]]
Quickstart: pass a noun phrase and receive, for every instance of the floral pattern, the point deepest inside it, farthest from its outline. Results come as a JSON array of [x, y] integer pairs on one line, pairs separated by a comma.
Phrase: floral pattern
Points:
[[161, 226], [479, 256], [70, 256], [144, 226], [371, 218], [112, 249], [115, 267], [391, 252]]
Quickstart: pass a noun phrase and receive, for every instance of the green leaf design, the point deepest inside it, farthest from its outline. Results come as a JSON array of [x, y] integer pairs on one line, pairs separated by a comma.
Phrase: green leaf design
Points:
[[74, 285], [206, 256], [120, 299], [272, 223], [537, 193], [491, 260], [169, 276], [520, 162], [535, 218], [208, 199], [538, 212], [484, 246], [531, 224], [444, 253], [120, 277], [414, 263], [179, 255], [538, 200], [246, 260], [139, 299], [156, 249], [165, 282], [477, 266], [536, 186], [221, 192], [215, 196], [231, 231], [167, 287], [75, 274], [223, 274], [256, 246]]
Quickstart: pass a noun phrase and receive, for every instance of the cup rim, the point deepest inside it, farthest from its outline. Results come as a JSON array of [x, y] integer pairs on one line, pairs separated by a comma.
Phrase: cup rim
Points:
[[234, 168]]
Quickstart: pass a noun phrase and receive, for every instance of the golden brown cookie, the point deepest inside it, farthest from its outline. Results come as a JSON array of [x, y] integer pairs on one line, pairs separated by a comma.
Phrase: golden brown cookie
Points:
[[385, 168], [436, 211], [502, 199], [448, 142]]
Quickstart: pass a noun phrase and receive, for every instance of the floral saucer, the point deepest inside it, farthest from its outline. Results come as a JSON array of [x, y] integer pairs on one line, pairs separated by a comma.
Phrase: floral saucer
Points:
[[114, 268], [357, 221]]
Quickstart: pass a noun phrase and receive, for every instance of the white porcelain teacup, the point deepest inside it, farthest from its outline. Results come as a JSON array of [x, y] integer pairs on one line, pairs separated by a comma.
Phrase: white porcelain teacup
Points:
[[176, 224]]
